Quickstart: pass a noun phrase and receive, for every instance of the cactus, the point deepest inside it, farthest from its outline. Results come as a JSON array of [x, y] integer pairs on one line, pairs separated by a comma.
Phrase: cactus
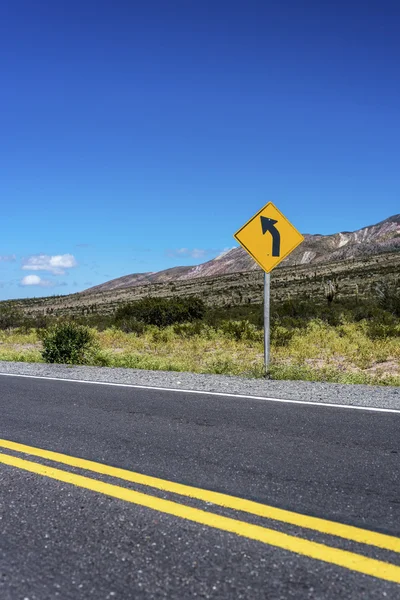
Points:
[[331, 289]]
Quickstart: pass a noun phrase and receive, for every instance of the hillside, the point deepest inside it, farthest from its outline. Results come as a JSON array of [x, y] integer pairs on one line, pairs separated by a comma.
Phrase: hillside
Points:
[[355, 260], [353, 276], [372, 240]]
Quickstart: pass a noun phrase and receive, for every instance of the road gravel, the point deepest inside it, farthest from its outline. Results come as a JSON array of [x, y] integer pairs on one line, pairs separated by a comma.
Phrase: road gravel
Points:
[[356, 395]]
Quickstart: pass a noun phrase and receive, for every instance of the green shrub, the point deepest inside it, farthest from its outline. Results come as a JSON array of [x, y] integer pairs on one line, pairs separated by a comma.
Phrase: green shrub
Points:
[[196, 328], [388, 296], [281, 336], [162, 311], [10, 317], [382, 330], [188, 330], [364, 311], [33, 322], [241, 330], [96, 321], [249, 312], [68, 343], [222, 366], [131, 325], [331, 317], [161, 335], [293, 308]]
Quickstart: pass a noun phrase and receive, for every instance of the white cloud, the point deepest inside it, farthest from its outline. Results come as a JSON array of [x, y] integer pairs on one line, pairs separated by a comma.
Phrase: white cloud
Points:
[[8, 258], [53, 264], [223, 252], [198, 253], [36, 280], [179, 251], [193, 253]]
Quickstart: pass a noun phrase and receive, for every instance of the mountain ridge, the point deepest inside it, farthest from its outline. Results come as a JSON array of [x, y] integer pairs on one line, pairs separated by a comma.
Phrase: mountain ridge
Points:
[[381, 237]]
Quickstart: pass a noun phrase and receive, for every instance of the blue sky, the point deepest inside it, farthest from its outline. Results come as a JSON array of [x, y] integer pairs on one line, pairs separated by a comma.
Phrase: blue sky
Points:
[[137, 136]]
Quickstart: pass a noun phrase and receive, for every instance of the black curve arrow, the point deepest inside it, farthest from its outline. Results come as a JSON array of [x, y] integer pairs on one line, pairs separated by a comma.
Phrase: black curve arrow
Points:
[[269, 225]]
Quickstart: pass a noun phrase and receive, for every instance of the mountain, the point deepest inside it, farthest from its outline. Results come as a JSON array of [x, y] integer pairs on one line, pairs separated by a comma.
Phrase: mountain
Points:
[[136, 279], [316, 248]]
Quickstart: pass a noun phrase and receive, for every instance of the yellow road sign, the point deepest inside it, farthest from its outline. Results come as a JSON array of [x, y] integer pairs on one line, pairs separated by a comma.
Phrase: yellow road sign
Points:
[[268, 237]]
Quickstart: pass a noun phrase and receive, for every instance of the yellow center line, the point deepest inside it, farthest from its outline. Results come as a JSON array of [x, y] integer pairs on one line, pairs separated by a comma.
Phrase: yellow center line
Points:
[[335, 556], [349, 532]]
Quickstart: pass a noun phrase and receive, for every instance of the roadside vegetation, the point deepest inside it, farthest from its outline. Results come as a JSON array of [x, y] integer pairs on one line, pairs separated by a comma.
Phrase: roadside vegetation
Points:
[[348, 340]]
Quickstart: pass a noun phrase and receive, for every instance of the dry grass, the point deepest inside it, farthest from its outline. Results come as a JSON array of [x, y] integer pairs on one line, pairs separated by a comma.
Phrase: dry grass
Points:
[[347, 353], [347, 345]]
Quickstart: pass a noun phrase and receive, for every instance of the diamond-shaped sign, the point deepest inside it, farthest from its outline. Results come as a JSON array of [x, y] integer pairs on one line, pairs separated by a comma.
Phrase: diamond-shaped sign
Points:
[[268, 237]]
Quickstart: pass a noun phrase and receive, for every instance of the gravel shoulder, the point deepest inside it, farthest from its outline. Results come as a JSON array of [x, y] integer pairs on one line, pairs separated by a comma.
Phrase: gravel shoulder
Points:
[[356, 395]]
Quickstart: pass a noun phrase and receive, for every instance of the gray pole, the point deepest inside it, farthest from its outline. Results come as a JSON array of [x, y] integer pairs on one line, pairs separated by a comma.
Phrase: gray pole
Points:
[[267, 279]]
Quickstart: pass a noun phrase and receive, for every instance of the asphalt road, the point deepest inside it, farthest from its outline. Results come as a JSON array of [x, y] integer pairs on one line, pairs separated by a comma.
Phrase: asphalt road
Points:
[[71, 529]]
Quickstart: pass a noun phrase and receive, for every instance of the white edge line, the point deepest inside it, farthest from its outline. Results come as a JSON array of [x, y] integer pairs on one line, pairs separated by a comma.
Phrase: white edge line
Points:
[[205, 393]]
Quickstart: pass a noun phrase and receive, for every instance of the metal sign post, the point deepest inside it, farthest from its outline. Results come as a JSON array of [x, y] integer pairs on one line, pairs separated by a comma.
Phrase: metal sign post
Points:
[[267, 330], [268, 251]]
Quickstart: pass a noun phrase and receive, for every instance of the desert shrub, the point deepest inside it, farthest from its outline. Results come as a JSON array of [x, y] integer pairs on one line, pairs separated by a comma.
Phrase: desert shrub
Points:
[[188, 330], [280, 335], [95, 321], [292, 308], [387, 296], [241, 330], [331, 317], [68, 343], [364, 311], [382, 331], [161, 335], [196, 328], [240, 312], [10, 317], [131, 325], [99, 359], [37, 322], [222, 366], [162, 311], [27, 323]]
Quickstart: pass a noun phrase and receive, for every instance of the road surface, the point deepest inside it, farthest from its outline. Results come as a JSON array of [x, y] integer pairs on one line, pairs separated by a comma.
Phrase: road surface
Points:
[[120, 492]]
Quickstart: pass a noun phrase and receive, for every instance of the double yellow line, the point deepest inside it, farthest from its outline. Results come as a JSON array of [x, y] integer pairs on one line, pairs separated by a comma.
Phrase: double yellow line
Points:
[[304, 547]]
